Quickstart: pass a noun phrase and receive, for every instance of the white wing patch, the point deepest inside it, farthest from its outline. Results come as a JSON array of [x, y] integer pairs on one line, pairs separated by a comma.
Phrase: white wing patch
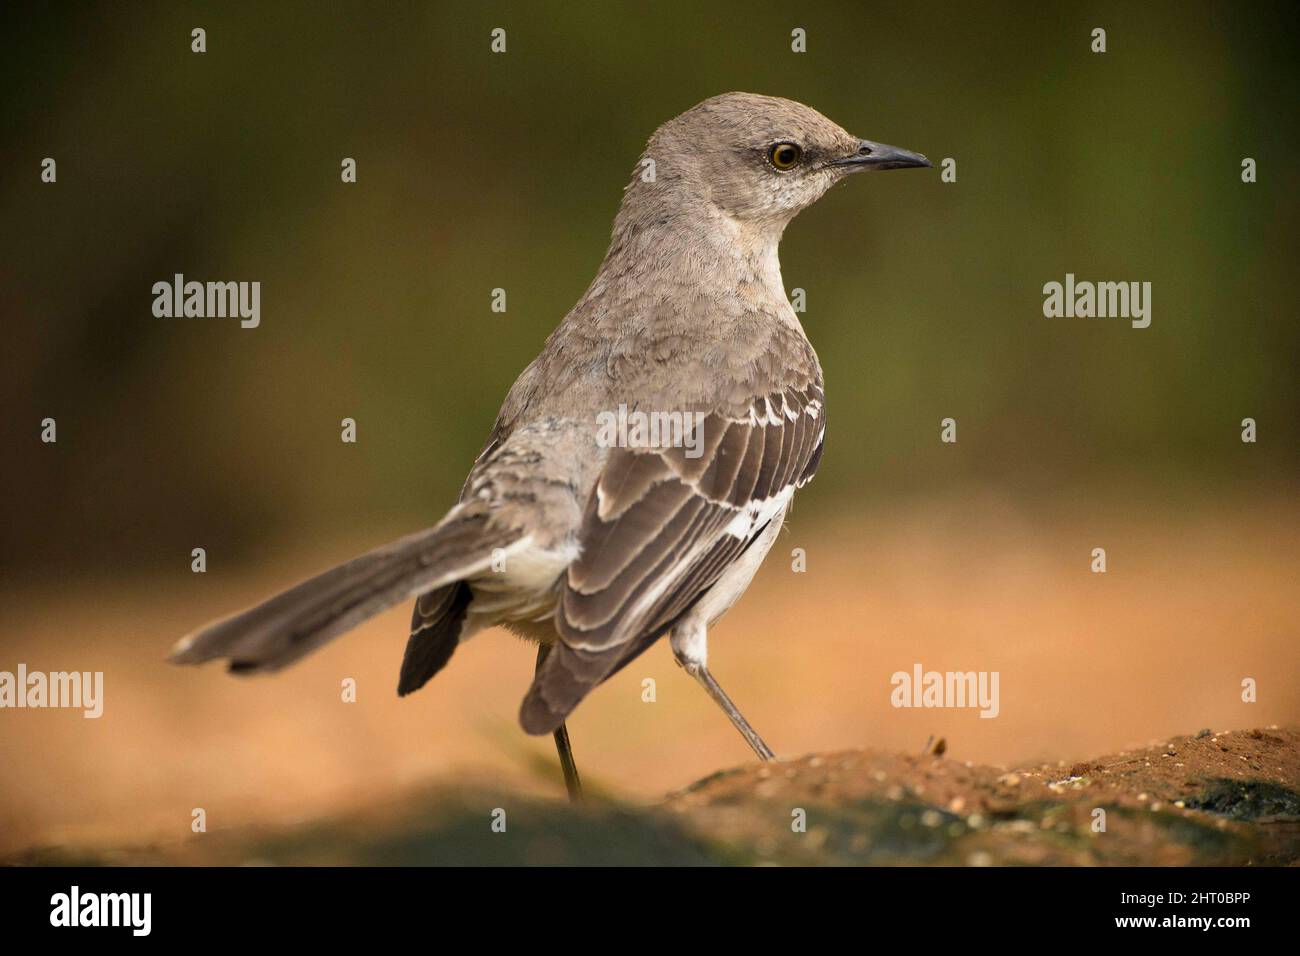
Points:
[[758, 513]]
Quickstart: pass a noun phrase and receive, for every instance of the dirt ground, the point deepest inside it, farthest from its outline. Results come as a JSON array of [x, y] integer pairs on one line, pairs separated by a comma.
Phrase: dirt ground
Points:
[[1211, 799], [1194, 601]]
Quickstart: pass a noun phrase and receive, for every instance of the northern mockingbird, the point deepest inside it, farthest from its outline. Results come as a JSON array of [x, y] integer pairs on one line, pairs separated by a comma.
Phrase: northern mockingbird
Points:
[[592, 548]]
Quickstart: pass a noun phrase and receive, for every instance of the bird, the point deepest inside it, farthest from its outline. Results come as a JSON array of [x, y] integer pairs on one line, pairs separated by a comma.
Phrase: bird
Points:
[[595, 547]]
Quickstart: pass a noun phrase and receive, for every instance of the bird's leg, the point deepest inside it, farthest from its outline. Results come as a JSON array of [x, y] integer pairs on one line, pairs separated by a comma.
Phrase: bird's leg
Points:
[[691, 651], [715, 690], [571, 781], [562, 746]]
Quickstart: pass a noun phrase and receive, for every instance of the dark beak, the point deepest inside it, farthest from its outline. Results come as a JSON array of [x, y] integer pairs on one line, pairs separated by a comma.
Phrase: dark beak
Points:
[[871, 155]]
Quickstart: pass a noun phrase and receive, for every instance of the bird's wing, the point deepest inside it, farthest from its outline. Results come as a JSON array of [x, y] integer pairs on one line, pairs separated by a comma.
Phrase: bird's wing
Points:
[[659, 530]]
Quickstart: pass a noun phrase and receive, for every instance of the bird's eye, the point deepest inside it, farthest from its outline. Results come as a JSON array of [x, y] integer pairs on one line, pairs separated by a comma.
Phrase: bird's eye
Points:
[[784, 156]]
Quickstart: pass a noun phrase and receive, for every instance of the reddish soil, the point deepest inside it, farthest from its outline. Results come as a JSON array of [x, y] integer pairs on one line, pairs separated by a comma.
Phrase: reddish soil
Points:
[[1229, 798]]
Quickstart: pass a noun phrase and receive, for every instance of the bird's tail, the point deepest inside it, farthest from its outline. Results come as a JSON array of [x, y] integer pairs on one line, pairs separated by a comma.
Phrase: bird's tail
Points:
[[296, 622]]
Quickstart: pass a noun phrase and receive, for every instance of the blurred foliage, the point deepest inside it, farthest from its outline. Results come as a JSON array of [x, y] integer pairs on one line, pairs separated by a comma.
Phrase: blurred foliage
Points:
[[479, 171]]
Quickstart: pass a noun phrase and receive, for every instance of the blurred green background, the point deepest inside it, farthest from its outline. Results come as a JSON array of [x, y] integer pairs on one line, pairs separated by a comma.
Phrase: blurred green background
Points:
[[478, 171]]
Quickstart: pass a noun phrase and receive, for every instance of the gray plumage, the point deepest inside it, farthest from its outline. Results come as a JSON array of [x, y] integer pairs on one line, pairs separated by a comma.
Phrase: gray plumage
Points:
[[599, 551]]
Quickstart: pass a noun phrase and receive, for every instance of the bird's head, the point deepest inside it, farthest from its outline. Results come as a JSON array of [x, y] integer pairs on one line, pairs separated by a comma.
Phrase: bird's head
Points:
[[761, 159]]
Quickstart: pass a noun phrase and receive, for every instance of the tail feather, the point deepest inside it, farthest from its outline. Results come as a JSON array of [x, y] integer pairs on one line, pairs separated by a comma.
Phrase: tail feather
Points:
[[296, 622], [435, 634]]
